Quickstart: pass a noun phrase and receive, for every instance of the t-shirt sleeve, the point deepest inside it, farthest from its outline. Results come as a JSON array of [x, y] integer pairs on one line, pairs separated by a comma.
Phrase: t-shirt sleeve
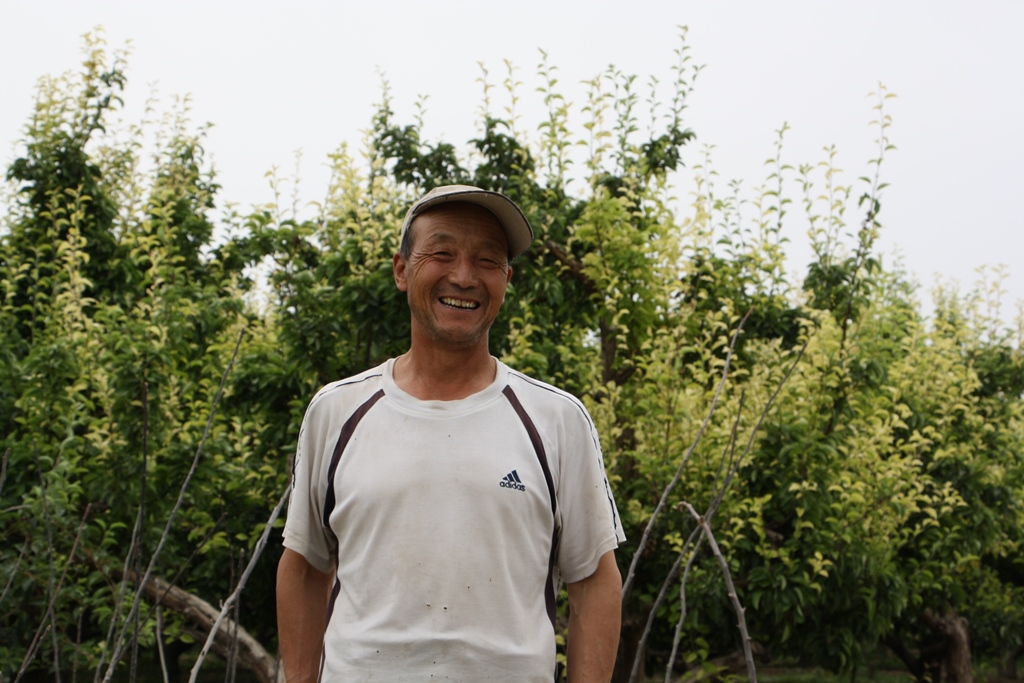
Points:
[[304, 530], [590, 521]]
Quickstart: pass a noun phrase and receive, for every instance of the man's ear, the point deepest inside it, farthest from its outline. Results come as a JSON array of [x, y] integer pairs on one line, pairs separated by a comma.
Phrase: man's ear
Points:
[[398, 266], [508, 279]]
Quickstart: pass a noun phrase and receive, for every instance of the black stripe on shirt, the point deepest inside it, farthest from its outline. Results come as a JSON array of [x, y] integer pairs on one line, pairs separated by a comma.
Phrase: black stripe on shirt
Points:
[[346, 433], [616, 524], [538, 448]]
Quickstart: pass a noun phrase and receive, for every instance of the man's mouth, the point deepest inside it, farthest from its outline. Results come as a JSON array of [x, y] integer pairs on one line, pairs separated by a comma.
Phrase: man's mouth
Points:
[[459, 303]]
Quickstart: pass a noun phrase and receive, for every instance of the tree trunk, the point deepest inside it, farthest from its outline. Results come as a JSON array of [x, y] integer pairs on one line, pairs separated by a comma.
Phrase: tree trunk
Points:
[[925, 664], [629, 641], [957, 656], [201, 615], [897, 647]]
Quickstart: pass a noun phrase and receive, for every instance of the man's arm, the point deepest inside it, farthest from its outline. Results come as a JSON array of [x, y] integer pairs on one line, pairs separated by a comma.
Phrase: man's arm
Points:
[[595, 611], [302, 597]]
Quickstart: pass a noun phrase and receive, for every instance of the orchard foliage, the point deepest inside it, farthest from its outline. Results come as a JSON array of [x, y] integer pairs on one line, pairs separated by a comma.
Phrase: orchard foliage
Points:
[[862, 467]]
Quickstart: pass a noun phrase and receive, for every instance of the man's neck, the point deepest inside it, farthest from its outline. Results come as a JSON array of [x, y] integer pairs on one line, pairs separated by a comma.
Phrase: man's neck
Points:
[[444, 375]]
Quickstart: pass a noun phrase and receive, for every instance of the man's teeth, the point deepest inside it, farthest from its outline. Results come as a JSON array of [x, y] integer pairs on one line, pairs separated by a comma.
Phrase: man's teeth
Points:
[[458, 303]]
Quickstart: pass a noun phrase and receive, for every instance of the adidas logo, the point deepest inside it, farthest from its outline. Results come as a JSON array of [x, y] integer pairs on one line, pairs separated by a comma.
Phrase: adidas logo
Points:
[[512, 481]]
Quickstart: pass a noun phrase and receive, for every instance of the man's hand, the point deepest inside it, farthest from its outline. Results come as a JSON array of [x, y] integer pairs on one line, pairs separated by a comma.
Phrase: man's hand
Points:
[[302, 596], [595, 612]]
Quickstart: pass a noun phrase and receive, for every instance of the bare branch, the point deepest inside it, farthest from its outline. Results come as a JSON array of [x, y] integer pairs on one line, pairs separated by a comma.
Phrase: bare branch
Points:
[[51, 587], [33, 647], [730, 467], [195, 551], [37, 638], [741, 619], [627, 586], [3, 468], [174, 511], [159, 599], [160, 644], [716, 499], [760, 421], [635, 671], [141, 521], [232, 664], [677, 635], [119, 600], [14, 569], [726, 464]]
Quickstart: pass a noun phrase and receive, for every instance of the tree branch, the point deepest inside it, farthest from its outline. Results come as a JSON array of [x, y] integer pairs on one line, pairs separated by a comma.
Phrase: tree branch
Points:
[[741, 619], [572, 264], [627, 586], [635, 672], [3, 468], [37, 638], [202, 616]]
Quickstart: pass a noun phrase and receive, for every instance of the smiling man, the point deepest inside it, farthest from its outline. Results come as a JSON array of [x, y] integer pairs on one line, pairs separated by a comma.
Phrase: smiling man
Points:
[[438, 498]]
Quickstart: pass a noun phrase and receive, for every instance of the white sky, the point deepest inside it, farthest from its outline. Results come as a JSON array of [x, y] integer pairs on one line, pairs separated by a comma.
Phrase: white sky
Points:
[[277, 77]]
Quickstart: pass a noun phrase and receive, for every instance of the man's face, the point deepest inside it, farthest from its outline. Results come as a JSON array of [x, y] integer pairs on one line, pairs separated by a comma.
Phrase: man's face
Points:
[[456, 275]]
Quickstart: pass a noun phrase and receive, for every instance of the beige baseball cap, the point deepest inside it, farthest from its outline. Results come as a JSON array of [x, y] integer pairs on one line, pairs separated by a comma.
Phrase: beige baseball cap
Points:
[[517, 228]]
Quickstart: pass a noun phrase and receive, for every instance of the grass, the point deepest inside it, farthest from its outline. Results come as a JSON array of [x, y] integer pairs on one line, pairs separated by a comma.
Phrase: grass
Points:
[[794, 674]]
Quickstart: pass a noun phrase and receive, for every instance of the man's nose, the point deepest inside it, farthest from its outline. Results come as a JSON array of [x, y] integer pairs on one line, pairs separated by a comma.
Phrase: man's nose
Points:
[[464, 272]]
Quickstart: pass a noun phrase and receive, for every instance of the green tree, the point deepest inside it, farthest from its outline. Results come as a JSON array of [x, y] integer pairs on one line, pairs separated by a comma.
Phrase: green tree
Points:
[[859, 465], [119, 323]]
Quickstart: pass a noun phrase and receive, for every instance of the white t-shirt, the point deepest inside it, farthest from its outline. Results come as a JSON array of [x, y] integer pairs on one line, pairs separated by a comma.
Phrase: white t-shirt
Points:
[[440, 520]]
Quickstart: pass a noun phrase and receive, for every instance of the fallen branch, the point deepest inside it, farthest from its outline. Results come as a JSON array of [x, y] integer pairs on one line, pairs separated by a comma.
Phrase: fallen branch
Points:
[[202, 616]]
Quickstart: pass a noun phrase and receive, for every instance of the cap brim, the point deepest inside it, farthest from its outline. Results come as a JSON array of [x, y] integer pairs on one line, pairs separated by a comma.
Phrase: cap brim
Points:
[[517, 228]]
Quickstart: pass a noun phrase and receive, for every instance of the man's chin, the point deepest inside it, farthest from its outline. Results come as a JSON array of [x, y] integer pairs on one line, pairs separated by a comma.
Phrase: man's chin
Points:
[[458, 340], [451, 336]]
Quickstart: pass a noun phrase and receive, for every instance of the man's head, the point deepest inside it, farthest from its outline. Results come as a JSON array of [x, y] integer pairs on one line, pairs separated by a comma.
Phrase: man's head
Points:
[[455, 275], [509, 215]]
